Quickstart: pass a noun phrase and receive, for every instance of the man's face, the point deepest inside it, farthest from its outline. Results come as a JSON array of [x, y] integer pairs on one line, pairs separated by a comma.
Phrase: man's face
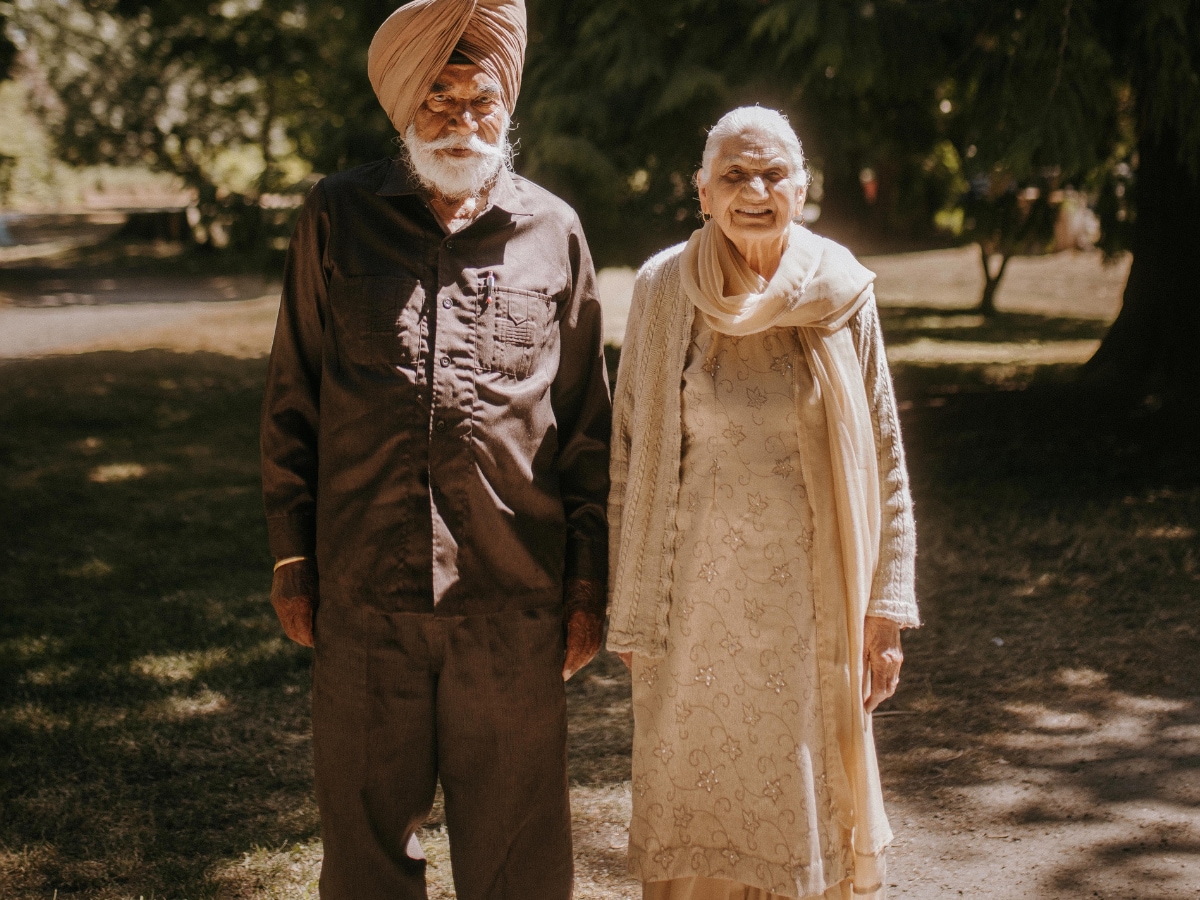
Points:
[[459, 139], [462, 100]]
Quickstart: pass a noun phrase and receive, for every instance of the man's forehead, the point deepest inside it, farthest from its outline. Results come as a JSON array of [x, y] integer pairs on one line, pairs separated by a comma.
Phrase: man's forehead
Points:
[[467, 79]]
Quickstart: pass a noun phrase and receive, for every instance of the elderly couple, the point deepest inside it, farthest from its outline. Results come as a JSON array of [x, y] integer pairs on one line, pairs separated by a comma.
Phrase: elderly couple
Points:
[[436, 442]]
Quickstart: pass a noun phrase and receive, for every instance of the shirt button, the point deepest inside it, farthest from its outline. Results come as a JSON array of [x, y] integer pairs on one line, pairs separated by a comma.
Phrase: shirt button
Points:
[[449, 245], [447, 303], [439, 425], [445, 361]]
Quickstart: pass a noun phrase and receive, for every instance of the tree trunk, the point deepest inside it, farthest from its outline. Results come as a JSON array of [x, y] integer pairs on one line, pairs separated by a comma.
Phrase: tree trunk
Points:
[[1153, 348], [991, 283]]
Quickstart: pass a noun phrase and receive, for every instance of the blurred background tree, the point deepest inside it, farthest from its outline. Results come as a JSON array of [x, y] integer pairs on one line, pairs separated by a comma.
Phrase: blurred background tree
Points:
[[619, 95], [1103, 95], [924, 120], [240, 99]]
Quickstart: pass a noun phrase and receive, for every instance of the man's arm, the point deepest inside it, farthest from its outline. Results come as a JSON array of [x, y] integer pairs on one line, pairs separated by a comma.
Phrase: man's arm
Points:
[[288, 432], [583, 411]]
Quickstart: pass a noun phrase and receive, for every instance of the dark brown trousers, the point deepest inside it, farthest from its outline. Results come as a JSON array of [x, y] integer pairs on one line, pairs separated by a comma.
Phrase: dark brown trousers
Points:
[[403, 699]]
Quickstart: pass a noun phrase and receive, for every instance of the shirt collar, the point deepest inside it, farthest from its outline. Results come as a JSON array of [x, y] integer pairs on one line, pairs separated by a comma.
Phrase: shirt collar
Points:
[[400, 181]]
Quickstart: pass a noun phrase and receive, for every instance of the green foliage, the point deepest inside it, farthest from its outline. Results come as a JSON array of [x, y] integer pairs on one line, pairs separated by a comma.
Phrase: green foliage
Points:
[[632, 88], [239, 98], [245, 97]]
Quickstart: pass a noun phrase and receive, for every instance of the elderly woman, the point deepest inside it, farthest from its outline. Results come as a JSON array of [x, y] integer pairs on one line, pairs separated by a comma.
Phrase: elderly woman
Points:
[[762, 543]]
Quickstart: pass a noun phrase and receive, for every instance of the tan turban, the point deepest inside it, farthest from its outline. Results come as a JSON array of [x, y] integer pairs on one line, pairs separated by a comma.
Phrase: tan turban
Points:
[[417, 40]]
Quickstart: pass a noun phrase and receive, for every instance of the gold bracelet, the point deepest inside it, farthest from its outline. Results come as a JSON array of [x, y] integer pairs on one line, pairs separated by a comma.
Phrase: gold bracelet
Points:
[[290, 559]]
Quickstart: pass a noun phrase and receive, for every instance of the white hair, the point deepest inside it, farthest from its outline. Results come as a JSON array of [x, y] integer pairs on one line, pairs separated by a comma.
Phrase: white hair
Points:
[[455, 179], [759, 121]]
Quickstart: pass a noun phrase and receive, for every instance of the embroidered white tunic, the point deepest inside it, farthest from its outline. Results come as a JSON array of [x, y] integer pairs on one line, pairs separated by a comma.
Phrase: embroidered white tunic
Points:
[[730, 749]]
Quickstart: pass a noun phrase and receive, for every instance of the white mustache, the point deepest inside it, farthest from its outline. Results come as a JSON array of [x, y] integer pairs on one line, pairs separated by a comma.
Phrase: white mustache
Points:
[[472, 142]]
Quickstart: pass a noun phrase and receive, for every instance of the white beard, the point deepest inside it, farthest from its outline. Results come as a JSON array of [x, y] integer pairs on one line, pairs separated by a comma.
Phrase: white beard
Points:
[[456, 178]]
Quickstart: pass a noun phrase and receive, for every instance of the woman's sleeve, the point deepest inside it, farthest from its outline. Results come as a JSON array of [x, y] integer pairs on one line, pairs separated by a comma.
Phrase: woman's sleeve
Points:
[[623, 399], [893, 592]]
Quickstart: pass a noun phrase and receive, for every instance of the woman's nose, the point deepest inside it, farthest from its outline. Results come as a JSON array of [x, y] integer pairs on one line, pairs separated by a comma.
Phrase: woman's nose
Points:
[[757, 186]]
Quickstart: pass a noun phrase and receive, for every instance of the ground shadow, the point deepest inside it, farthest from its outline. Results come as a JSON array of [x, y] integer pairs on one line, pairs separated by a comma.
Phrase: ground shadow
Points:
[[153, 724]]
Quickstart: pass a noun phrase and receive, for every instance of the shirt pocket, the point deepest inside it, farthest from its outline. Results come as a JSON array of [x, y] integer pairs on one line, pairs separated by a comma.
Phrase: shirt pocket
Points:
[[378, 319], [512, 330]]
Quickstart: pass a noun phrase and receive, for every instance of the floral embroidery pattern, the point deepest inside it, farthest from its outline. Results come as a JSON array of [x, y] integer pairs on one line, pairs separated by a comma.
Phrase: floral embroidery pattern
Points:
[[734, 539], [729, 746]]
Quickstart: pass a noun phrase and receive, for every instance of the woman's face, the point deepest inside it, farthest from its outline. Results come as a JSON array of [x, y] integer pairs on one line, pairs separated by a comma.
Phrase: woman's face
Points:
[[751, 193]]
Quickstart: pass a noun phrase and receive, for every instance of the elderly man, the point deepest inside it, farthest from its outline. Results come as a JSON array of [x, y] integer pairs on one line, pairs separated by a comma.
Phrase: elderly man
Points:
[[435, 452]]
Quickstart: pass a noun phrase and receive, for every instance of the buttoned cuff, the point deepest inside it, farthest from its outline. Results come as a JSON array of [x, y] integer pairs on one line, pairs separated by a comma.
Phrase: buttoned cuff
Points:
[[292, 535]]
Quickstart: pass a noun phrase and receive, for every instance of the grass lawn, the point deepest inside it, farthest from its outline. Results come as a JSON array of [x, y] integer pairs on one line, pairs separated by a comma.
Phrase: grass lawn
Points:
[[154, 722]]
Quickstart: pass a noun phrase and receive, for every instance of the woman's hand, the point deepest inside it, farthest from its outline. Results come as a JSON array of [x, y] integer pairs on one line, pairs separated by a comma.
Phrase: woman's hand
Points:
[[882, 658]]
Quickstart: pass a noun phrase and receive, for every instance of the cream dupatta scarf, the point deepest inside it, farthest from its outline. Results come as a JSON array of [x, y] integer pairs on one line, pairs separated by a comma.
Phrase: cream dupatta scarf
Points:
[[818, 287]]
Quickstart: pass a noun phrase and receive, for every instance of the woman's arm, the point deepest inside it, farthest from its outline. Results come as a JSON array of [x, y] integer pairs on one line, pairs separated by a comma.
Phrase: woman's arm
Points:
[[893, 594]]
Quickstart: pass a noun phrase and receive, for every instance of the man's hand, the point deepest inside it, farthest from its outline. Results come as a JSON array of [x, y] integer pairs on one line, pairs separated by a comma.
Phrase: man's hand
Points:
[[584, 616], [882, 658], [295, 598]]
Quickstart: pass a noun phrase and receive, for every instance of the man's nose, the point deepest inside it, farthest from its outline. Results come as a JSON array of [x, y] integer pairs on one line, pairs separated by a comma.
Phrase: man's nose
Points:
[[462, 121]]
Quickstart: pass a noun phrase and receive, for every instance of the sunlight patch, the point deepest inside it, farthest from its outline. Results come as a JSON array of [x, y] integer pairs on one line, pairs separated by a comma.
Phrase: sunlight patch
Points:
[[1040, 716], [1168, 533], [926, 350], [290, 872], [177, 667], [93, 568], [55, 673], [1081, 678], [33, 717], [179, 708], [26, 647], [117, 472]]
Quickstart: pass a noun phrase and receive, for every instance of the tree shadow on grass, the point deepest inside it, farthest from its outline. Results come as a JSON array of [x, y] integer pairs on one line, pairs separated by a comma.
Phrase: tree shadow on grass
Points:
[[154, 723], [1051, 697], [907, 324]]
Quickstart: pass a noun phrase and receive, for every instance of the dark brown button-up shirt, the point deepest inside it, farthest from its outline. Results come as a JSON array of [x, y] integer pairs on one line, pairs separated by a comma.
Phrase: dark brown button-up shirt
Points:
[[436, 422]]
